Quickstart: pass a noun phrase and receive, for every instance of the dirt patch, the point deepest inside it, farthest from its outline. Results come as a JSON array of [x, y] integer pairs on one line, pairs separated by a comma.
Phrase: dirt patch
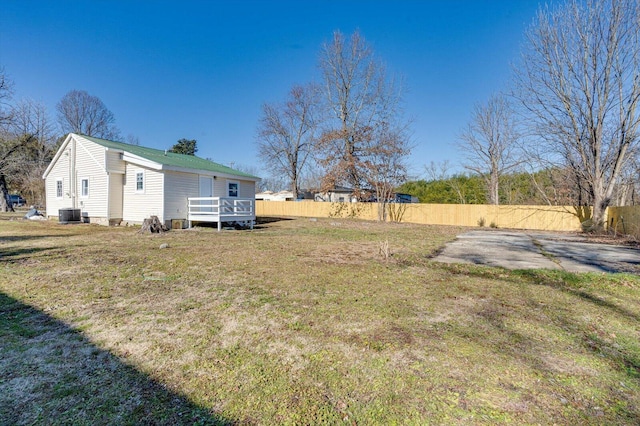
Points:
[[619, 240], [347, 253]]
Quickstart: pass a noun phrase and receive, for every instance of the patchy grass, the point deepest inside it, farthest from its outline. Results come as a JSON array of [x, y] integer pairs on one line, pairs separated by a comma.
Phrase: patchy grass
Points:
[[302, 322]]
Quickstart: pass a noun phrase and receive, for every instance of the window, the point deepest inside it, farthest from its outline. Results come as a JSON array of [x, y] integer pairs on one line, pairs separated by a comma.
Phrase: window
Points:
[[139, 181], [59, 188], [84, 188], [232, 188]]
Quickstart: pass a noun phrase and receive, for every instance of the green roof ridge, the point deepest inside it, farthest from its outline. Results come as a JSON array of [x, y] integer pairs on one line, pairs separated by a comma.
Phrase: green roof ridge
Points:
[[169, 158]]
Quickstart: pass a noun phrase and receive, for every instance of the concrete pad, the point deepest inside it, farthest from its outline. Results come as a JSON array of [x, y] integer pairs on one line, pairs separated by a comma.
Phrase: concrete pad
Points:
[[539, 250]]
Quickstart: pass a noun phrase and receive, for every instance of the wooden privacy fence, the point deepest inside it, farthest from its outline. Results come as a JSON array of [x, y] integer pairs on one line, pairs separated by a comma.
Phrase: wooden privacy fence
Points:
[[624, 220], [551, 218]]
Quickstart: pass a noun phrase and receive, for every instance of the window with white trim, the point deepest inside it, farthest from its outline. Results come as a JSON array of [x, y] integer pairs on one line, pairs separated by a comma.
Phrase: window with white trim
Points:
[[140, 181], [233, 188], [84, 187], [59, 188]]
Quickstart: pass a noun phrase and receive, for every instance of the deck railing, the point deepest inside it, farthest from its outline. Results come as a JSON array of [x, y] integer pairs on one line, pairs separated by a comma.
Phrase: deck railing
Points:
[[221, 209]]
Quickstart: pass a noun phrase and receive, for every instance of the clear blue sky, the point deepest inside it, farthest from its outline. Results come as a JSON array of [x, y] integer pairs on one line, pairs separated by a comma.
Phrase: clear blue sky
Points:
[[202, 69]]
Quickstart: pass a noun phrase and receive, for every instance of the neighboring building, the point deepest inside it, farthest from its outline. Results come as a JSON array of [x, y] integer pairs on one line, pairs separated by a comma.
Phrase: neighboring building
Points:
[[338, 194], [405, 198], [346, 195], [275, 196], [113, 182]]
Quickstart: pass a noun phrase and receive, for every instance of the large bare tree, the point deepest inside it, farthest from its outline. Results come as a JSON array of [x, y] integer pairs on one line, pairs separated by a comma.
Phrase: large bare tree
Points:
[[80, 112], [365, 109], [384, 163], [579, 81], [7, 145], [287, 134], [31, 124], [6, 91], [489, 143]]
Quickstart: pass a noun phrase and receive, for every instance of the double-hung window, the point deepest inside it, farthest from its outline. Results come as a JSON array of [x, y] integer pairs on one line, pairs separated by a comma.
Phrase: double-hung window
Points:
[[84, 188], [59, 188], [140, 181]]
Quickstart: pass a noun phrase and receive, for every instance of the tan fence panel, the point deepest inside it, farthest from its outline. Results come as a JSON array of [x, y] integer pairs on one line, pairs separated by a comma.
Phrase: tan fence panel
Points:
[[292, 208], [624, 220], [551, 218]]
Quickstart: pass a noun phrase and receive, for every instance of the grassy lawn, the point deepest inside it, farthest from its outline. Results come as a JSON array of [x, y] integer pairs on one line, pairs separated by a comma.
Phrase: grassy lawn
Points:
[[303, 322]]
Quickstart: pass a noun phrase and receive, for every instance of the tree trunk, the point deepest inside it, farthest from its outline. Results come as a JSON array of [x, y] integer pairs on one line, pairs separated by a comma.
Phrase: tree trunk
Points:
[[598, 218], [494, 198], [152, 225], [5, 202], [294, 181]]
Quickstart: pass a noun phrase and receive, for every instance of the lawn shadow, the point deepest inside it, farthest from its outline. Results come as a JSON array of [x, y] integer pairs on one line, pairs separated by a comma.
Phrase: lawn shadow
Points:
[[13, 255], [33, 254], [16, 238], [568, 282], [494, 329], [261, 220], [51, 373]]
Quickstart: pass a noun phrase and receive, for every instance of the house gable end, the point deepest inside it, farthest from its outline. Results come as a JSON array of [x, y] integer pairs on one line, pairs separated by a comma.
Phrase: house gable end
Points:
[[62, 148]]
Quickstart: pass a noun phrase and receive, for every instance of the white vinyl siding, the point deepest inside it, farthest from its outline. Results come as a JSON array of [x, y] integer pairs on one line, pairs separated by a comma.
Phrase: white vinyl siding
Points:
[[247, 189], [90, 166], [219, 187], [84, 187], [115, 194], [59, 172], [140, 181], [137, 206], [178, 187], [54, 203], [115, 164]]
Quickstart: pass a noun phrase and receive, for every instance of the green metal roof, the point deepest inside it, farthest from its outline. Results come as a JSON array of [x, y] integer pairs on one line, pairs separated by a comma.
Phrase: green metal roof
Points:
[[169, 158]]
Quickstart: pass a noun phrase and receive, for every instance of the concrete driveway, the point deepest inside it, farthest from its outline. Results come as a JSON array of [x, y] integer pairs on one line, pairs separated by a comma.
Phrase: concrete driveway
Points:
[[539, 250]]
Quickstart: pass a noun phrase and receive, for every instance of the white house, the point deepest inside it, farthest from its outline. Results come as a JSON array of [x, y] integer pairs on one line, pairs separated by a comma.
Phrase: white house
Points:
[[113, 182], [275, 196], [338, 194]]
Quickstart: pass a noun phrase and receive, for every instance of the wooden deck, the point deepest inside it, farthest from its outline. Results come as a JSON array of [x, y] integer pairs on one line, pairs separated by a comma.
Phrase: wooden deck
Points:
[[221, 209]]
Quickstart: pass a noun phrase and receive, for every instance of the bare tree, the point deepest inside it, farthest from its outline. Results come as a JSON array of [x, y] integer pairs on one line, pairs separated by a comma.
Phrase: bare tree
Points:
[[7, 146], [133, 139], [252, 170], [489, 143], [80, 112], [385, 166], [579, 81], [287, 134], [11, 148], [365, 109], [6, 92], [437, 170], [273, 182], [31, 122], [311, 179]]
